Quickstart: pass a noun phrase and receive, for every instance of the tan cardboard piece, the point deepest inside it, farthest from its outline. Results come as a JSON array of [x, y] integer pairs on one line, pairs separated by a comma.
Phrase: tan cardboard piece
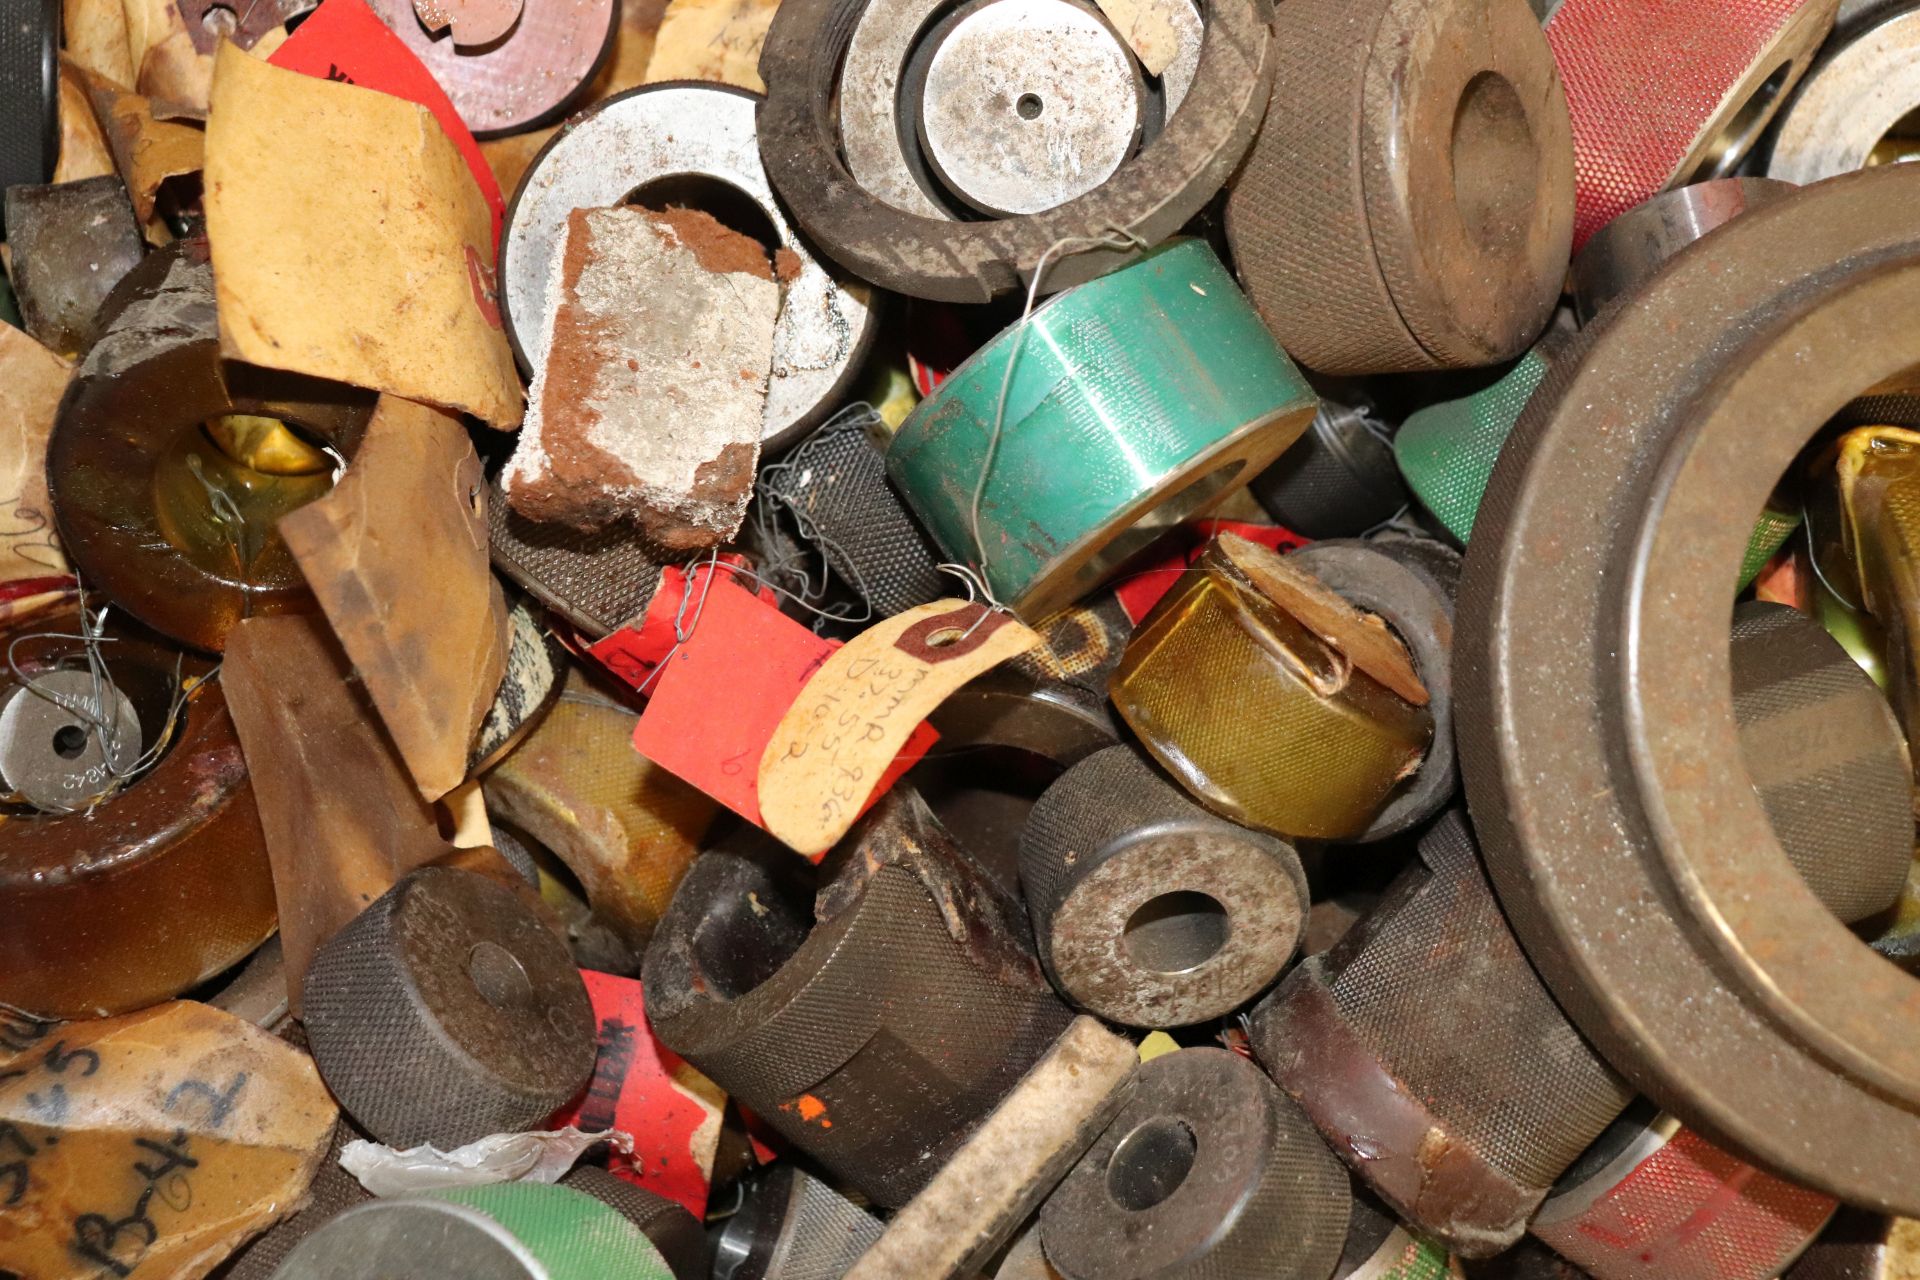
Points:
[[149, 1146], [409, 310], [32, 380], [146, 150], [716, 40], [343, 820], [396, 555], [857, 711]]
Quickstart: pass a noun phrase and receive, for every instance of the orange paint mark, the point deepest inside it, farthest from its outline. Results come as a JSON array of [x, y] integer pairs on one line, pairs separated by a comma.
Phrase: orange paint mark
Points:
[[811, 1110]]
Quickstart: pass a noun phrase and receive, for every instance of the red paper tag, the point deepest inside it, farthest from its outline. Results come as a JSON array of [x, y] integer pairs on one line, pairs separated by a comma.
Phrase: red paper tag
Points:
[[640, 1086], [345, 40], [634, 651], [717, 701], [1139, 592]]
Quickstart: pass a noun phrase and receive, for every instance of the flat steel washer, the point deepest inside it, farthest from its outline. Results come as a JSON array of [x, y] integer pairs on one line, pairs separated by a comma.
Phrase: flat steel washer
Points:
[[1596, 726], [64, 740], [676, 130]]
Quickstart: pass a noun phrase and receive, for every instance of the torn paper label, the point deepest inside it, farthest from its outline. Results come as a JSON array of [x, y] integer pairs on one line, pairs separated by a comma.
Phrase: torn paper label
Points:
[[500, 1157]]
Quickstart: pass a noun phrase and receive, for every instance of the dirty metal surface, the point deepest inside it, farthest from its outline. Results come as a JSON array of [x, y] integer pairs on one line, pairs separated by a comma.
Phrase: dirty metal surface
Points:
[[1208, 1170], [924, 254], [30, 88], [1434, 1061], [1410, 203], [446, 1011], [1337, 481], [875, 1036], [793, 1226], [1597, 732], [1624, 255], [1147, 910], [71, 243], [1851, 101]]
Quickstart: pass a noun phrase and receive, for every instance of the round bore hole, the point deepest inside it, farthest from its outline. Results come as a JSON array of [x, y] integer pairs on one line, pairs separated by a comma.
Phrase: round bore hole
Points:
[[1175, 931], [69, 740], [1029, 106], [725, 203], [1731, 144], [942, 639], [1150, 1163], [498, 976], [1495, 168], [1899, 144]]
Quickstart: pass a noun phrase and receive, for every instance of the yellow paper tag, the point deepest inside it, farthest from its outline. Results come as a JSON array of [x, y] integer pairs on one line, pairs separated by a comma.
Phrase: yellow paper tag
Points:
[[857, 711], [716, 40]]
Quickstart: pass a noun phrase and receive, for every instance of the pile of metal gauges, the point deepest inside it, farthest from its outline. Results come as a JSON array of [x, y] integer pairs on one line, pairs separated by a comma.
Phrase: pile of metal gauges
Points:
[[945, 639]]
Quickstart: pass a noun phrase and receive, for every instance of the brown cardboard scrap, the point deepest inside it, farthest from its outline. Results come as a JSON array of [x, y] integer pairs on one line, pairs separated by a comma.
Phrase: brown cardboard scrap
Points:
[[652, 400], [146, 151], [715, 40], [83, 146], [342, 819], [397, 557], [149, 1146], [32, 380], [95, 34], [1148, 28], [298, 170]]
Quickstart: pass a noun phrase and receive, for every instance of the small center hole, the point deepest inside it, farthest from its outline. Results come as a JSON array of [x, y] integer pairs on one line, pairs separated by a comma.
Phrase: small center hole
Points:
[[1029, 106], [69, 740], [1495, 170], [1175, 931], [498, 976], [1150, 1163], [941, 639]]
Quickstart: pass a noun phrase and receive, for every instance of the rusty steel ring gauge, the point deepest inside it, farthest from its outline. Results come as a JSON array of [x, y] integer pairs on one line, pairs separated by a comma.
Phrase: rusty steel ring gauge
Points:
[[908, 966], [521, 79], [1645, 118], [1848, 112], [446, 1011], [1208, 1170], [71, 243], [82, 886], [1396, 581], [681, 141], [1148, 910], [883, 75], [927, 255], [672, 1228], [1338, 480], [1409, 204], [1624, 254], [792, 1227], [1653, 1200], [1597, 731], [169, 467], [30, 93]]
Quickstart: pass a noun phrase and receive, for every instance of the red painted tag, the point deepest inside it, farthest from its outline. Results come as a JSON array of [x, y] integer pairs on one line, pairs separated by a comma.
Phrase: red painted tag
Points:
[[1139, 592], [634, 651], [718, 699], [345, 40], [641, 1087]]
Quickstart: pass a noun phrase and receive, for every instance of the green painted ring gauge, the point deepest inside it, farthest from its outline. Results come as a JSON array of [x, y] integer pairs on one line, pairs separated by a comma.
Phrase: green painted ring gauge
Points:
[[1136, 401], [510, 1231]]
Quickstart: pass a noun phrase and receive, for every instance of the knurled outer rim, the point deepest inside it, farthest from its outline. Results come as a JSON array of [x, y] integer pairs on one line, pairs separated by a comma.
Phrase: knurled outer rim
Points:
[[1277, 1205], [29, 93], [1441, 1185], [1619, 159], [672, 1228], [1344, 285], [383, 1053], [1421, 614], [1151, 197]]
